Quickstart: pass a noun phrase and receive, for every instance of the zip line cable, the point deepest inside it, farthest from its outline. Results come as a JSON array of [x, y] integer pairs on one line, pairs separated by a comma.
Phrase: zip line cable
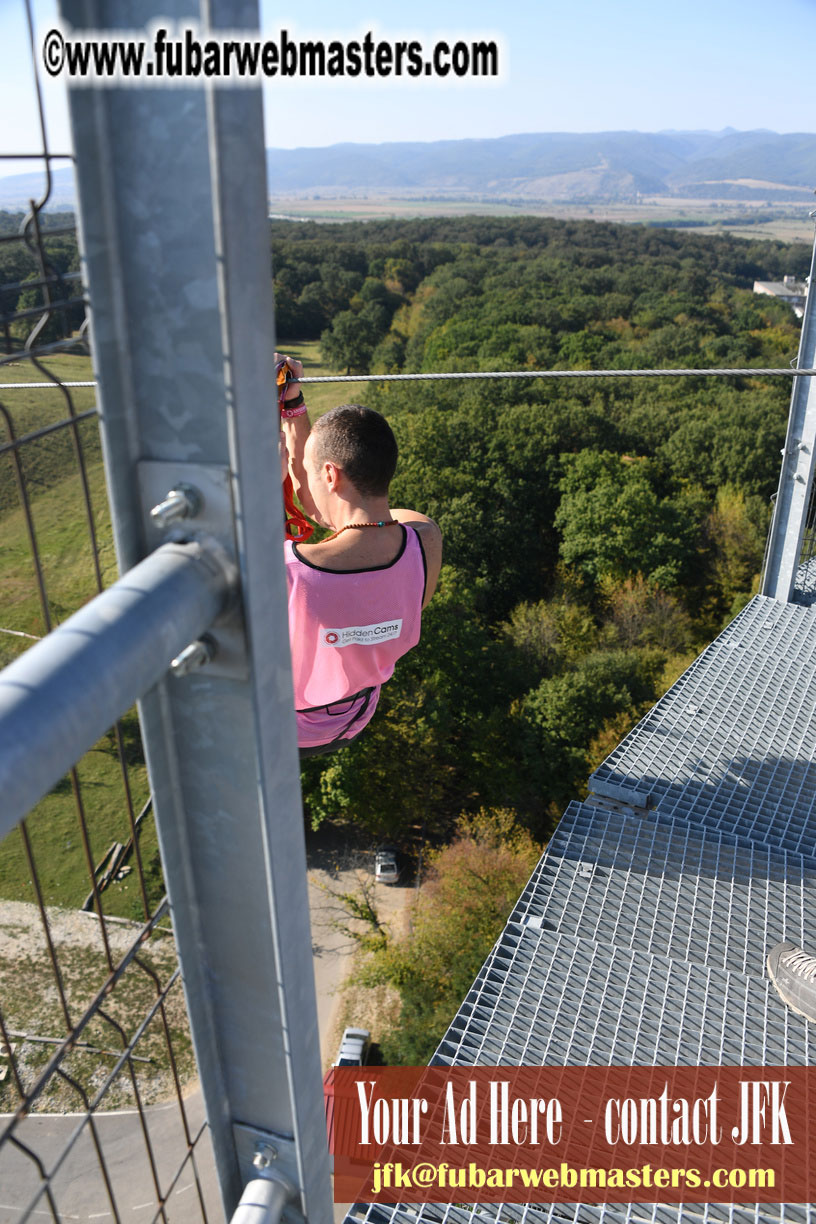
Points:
[[787, 372], [358, 378], [544, 374]]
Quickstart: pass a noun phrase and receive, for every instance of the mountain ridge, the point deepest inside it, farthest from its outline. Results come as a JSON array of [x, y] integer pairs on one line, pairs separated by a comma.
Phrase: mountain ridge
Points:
[[562, 166]]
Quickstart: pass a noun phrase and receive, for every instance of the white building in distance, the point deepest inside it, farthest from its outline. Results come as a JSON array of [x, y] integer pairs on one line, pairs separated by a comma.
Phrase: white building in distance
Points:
[[790, 289]]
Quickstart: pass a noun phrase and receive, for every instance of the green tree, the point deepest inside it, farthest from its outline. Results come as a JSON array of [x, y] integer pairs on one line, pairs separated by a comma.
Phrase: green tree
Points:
[[348, 344], [550, 634], [53, 323], [614, 523], [470, 888], [638, 613], [569, 709], [736, 530]]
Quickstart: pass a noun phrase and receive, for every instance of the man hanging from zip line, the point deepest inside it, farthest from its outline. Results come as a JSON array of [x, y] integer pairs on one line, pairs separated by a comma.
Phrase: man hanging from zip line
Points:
[[356, 597]]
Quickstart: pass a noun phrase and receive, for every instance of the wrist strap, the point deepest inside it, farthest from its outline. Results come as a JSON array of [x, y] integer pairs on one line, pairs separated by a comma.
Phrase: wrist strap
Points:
[[293, 407]]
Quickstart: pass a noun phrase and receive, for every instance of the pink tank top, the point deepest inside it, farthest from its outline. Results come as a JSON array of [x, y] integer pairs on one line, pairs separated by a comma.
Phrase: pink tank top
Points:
[[346, 631]]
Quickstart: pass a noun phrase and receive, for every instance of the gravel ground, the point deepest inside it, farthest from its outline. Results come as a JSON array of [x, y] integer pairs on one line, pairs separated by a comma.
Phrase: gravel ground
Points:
[[31, 1002], [33, 1007], [21, 930]]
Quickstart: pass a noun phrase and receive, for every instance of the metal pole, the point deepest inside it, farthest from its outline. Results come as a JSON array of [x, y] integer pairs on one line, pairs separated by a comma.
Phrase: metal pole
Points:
[[262, 1202], [175, 244], [58, 698], [796, 477]]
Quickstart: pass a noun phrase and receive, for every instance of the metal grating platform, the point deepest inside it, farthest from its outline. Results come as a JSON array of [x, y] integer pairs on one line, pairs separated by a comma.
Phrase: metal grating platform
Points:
[[642, 935], [550, 999], [732, 745], [670, 888], [562, 1213]]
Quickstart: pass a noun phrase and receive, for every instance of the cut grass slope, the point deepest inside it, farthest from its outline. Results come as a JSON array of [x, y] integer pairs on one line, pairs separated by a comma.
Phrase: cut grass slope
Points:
[[61, 531]]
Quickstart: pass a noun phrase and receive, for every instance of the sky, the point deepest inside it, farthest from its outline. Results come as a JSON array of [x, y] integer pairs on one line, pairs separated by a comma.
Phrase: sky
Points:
[[567, 66]]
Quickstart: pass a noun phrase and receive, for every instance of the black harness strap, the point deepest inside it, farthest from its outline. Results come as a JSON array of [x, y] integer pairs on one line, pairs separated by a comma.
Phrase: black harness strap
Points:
[[365, 695]]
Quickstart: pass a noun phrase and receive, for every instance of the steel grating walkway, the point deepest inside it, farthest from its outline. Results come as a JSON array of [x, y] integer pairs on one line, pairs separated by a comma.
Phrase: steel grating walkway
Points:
[[641, 936], [732, 745], [671, 889], [551, 998], [566, 1213]]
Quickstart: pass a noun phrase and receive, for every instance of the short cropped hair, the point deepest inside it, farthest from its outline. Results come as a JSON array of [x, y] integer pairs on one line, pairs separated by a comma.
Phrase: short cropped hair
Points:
[[362, 445]]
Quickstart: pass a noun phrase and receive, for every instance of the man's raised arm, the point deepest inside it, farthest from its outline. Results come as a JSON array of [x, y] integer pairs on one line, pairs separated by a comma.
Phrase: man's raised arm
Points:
[[295, 429]]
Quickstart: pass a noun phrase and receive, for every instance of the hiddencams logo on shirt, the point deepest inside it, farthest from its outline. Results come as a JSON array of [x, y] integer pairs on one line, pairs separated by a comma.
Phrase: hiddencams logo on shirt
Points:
[[361, 635]]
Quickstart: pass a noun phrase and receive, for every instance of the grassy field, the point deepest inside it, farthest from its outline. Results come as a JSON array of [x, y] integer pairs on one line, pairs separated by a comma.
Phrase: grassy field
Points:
[[61, 530], [56, 841], [787, 222], [46, 460], [31, 1006], [61, 527]]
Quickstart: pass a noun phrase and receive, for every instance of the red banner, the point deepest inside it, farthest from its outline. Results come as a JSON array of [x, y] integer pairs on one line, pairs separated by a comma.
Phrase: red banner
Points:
[[573, 1134]]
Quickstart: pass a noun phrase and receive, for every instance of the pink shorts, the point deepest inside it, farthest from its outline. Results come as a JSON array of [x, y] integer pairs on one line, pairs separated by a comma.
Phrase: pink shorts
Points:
[[335, 725]]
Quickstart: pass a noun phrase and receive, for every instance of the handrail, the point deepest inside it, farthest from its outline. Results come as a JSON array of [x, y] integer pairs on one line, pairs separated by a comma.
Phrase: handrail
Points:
[[263, 1200], [59, 697]]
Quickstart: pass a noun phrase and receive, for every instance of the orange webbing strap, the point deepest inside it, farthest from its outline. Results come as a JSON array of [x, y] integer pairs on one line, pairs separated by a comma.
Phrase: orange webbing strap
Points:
[[296, 526]]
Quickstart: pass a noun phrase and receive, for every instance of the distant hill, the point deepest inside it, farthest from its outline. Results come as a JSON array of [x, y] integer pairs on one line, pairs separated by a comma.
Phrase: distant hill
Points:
[[551, 166], [17, 190], [560, 166]]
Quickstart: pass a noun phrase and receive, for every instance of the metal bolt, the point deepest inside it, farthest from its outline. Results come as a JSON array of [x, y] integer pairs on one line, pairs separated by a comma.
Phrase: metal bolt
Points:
[[197, 654], [265, 1155], [183, 501]]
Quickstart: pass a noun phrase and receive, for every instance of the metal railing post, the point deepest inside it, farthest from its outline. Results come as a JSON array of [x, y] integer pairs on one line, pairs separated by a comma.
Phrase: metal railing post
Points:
[[262, 1202], [173, 222], [796, 478], [58, 698]]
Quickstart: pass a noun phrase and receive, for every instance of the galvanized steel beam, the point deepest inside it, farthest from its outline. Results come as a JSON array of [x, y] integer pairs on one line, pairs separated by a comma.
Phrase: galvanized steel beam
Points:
[[796, 478], [173, 223]]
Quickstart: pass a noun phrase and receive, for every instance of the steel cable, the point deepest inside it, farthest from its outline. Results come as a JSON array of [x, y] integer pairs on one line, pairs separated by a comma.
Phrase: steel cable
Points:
[[756, 372]]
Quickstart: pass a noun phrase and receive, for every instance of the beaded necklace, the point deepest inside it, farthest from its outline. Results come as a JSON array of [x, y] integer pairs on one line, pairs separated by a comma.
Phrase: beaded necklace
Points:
[[355, 526]]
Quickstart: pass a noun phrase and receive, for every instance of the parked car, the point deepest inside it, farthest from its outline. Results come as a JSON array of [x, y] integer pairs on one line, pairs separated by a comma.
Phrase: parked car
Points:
[[354, 1047], [387, 865]]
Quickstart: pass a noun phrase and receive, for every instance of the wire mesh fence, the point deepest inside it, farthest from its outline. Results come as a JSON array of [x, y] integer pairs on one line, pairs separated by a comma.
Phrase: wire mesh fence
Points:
[[97, 1118], [806, 574]]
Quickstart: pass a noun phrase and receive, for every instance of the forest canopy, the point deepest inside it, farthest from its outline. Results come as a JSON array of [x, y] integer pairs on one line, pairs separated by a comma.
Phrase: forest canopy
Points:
[[598, 532]]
